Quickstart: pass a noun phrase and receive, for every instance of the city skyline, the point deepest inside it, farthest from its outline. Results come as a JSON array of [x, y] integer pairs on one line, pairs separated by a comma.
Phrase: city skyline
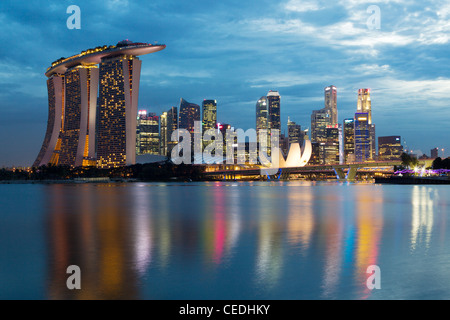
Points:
[[404, 63]]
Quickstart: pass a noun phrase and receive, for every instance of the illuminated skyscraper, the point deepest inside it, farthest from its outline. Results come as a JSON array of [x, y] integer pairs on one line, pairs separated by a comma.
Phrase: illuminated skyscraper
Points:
[[75, 136], [49, 153], [262, 121], [349, 140], [147, 133], [119, 91], [163, 134], [373, 147], [189, 114], [331, 103], [78, 130], [364, 104], [273, 109], [295, 134], [209, 114], [320, 119], [362, 137], [172, 125], [389, 148], [329, 150], [261, 114]]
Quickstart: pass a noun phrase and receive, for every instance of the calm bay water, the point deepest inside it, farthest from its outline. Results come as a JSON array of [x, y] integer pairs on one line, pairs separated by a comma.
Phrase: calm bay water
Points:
[[224, 240]]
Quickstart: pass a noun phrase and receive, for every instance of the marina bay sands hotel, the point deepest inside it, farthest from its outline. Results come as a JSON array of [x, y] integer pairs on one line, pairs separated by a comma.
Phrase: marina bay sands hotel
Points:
[[92, 101]]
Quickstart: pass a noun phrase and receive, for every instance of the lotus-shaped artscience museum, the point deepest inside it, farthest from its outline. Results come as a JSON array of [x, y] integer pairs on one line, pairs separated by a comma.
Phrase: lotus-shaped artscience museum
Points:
[[295, 158]]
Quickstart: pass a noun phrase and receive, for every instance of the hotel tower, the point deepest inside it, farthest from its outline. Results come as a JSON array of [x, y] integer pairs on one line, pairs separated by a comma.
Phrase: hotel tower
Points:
[[92, 99]]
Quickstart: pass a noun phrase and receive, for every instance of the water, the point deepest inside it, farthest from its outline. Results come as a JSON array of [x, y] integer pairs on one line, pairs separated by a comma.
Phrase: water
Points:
[[224, 240]]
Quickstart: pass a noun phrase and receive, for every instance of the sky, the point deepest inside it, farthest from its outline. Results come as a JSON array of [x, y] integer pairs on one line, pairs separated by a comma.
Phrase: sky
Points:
[[235, 52]]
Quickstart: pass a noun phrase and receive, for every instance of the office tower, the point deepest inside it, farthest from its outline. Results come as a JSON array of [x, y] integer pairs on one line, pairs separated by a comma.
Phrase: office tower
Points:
[[262, 121], [341, 145], [273, 118], [320, 119], [362, 137], [295, 133], [389, 148], [222, 128], [172, 126], [82, 128], [261, 114], [434, 153], [364, 104], [273, 109], [163, 134], [209, 114], [284, 144], [373, 147], [49, 153], [349, 140], [147, 133], [189, 114], [329, 150], [331, 103], [78, 127], [315, 153]]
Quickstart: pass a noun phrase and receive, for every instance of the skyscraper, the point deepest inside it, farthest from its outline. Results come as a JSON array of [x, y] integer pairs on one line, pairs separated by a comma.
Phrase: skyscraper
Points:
[[364, 104], [209, 114], [329, 149], [295, 134], [78, 129], [49, 153], [147, 132], [389, 148], [261, 114], [262, 121], [362, 137], [119, 91], [73, 136], [172, 126], [273, 109], [331, 103], [349, 140], [189, 114], [320, 119], [163, 134]]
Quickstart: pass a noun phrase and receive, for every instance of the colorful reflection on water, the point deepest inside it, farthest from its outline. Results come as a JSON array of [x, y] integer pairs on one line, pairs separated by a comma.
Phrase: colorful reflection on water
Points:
[[217, 240]]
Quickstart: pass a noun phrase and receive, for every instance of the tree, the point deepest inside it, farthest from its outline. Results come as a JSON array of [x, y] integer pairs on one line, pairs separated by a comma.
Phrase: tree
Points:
[[409, 161]]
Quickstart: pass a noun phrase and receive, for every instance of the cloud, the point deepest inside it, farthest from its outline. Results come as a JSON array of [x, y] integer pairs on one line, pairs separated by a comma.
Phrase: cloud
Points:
[[302, 6]]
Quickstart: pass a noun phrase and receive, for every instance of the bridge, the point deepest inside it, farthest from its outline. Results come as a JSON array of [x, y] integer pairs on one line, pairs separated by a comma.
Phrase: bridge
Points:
[[344, 172]]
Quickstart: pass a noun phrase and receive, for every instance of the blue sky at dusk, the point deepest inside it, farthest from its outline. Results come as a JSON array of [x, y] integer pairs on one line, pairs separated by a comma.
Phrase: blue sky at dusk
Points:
[[235, 52]]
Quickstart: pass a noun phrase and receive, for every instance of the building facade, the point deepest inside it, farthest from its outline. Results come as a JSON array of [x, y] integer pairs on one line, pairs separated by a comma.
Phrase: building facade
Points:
[[434, 153], [209, 114], [147, 133], [349, 140], [118, 100], [362, 138], [389, 148], [330, 93], [84, 128], [320, 119]]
